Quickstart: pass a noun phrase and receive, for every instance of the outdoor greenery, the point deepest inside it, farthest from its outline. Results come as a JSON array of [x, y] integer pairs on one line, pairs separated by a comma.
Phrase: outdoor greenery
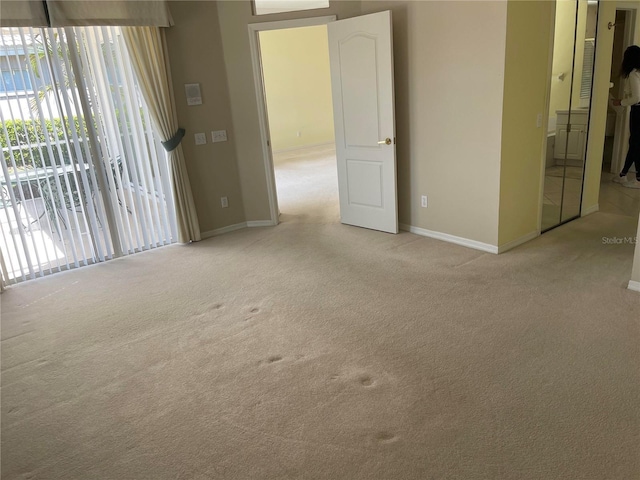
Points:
[[43, 50], [28, 143]]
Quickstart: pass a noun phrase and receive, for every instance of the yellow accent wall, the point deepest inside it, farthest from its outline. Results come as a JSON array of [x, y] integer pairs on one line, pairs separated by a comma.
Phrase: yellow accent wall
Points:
[[529, 25], [297, 80]]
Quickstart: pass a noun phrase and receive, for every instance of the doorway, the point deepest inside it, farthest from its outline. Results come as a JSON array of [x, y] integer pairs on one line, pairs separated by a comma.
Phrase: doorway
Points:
[[361, 65], [615, 117], [617, 131], [267, 152], [297, 90], [614, 197]]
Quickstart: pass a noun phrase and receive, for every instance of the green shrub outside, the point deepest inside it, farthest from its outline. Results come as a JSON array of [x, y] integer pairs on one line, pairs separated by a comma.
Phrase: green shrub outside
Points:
[[27, 139]]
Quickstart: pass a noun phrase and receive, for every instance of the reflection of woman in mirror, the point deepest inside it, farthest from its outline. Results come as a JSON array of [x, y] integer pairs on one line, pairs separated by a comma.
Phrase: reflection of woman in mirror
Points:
[[631, 73]]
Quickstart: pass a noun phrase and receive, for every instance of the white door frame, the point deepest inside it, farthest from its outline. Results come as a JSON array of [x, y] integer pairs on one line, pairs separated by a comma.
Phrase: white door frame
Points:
[[258, 79]]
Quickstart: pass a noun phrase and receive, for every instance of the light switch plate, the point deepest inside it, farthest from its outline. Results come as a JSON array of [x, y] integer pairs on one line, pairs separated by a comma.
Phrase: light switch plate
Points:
[[201, 138], [219, 136]]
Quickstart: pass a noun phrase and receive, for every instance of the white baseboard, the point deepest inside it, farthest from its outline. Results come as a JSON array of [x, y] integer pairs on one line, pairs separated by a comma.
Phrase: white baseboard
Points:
[[592, 209], [633, 285], [518, 241], [303, 147], [223, 230], [261, 223], [237, 226], [465, 242]]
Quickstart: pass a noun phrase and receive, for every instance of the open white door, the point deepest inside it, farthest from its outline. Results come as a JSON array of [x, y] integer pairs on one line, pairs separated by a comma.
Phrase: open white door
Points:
[[361, 58]]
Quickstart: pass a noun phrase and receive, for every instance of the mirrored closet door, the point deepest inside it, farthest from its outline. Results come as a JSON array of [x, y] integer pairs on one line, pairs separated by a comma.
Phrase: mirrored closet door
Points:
[[569, 106]]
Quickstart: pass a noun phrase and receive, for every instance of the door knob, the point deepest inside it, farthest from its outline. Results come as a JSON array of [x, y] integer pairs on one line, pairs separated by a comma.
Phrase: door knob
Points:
[[386, 141]]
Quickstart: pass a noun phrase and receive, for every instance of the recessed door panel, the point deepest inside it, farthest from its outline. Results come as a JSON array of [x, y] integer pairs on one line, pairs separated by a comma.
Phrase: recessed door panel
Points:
[[365, 189], [360, 77]]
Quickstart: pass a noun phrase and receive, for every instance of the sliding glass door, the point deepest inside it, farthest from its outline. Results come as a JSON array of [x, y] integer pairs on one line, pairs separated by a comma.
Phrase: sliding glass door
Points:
[[83, 178]]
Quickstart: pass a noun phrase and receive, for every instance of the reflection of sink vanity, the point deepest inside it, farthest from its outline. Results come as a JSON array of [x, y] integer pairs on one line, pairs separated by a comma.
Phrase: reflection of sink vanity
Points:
[[575, 148]]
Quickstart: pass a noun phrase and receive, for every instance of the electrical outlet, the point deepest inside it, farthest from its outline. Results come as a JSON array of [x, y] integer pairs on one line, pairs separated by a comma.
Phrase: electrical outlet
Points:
[[423, 201], [298, 134], [224, 201], [201, 138], [219, 136], [539, 120]]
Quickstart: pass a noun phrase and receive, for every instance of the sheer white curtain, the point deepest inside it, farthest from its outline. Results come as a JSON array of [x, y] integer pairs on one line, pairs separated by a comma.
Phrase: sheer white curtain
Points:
[[147, 54]]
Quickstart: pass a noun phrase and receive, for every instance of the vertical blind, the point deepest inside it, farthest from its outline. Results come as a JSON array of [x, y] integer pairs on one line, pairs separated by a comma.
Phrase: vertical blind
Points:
[[83, 177]]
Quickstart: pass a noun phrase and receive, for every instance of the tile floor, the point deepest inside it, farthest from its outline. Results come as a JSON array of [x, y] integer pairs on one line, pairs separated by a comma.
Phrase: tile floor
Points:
[[616, 199]]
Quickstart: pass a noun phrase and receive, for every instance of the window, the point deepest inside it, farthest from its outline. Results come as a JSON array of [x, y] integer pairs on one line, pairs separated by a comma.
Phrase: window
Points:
[[15, 81]]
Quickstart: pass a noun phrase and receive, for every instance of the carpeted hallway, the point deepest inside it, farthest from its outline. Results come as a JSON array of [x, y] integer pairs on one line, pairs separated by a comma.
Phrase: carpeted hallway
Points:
[[320, 351], [307, 185]]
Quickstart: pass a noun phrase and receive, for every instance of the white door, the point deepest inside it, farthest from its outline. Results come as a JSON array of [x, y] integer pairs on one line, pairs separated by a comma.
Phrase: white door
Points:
[[361, 58]]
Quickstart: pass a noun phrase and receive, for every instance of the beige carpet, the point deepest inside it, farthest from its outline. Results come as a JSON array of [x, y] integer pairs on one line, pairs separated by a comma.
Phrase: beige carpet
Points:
[[307, 185], [322, 351]]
